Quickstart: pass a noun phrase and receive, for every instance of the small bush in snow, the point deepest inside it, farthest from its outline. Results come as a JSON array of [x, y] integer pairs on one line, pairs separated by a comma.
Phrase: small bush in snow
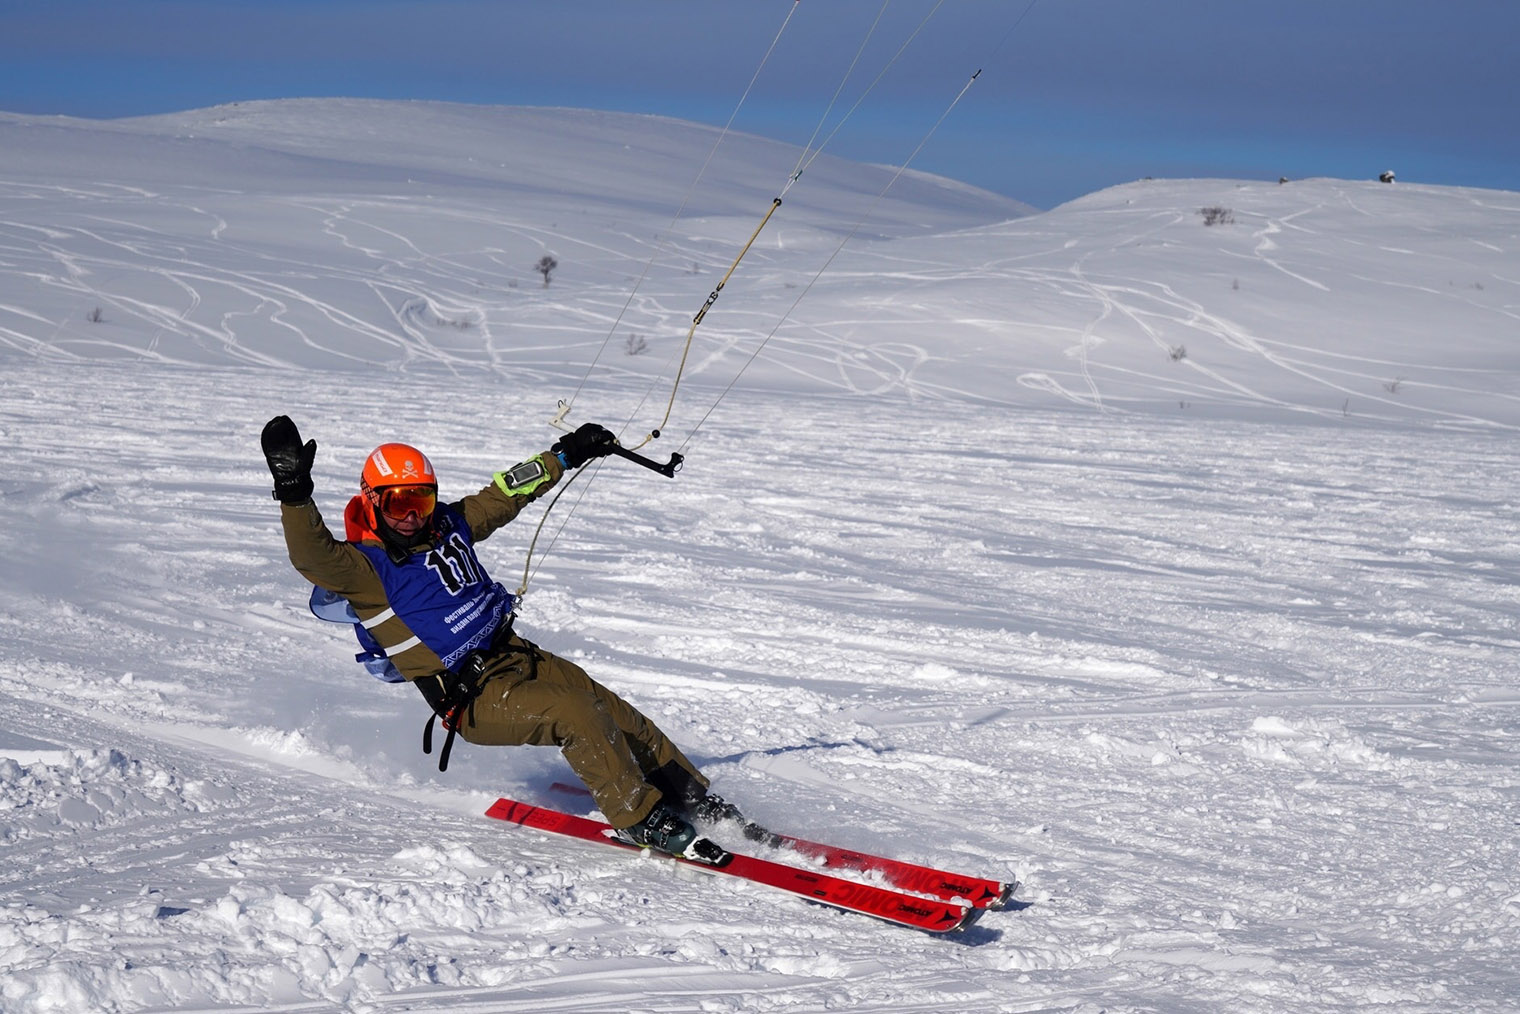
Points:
[[95, 316], [637, 345], [545, 265], [1217, 216], [1178, 353]]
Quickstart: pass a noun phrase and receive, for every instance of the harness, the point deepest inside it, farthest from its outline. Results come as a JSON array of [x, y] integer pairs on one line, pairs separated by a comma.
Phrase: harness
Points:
[[452, 695]]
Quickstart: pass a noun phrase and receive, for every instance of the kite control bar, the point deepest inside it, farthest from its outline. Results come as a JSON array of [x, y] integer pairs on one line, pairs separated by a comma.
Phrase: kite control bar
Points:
[[669, 469]]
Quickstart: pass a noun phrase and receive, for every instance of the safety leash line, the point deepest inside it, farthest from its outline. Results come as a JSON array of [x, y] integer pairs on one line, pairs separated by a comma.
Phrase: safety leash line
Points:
[[566, 405], [807, 160], [837, 250], [808, 156], [801, 159], [570, 478], [680, 210], [691, 332]]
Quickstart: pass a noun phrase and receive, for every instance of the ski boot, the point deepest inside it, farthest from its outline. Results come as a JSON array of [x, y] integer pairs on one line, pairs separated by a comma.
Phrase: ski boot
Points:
[[687, 795], [665, 830]]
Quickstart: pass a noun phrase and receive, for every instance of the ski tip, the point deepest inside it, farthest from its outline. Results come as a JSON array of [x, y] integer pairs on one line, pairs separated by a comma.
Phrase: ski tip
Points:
[[967, 921], [1004, 897]]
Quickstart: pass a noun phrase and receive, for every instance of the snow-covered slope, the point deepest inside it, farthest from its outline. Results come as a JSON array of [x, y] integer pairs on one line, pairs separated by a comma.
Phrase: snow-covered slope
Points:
[[1322, 297], [334, 234], [1172, 568]]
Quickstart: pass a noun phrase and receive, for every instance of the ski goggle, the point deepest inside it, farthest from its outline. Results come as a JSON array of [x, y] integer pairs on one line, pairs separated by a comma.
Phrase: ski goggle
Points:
[[398, 501]]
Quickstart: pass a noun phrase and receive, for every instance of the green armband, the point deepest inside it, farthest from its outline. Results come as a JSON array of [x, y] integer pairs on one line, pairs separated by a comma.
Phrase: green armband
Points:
[[523, 479]]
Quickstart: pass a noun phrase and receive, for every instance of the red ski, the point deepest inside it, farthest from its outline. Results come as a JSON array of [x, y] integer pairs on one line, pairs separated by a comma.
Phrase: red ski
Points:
[[979, 892], [975, 891], [892, 906]]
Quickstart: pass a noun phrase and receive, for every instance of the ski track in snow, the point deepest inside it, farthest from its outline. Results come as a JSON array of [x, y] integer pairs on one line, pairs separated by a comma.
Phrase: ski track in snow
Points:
[[295, 280], [1224, 672]]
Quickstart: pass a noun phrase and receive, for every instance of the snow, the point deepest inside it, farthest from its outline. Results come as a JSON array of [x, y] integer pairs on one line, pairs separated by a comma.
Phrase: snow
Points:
[[1214, 651]]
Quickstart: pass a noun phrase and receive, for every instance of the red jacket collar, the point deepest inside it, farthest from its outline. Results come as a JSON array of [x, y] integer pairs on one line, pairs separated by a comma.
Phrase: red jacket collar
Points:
[[359, 521]]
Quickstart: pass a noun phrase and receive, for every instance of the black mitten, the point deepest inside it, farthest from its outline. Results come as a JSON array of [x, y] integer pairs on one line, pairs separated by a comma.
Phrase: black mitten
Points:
[[289, 460], [591, 440]]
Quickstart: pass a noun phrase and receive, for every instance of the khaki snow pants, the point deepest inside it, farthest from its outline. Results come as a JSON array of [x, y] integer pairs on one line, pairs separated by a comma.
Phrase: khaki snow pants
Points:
[[532, 697]]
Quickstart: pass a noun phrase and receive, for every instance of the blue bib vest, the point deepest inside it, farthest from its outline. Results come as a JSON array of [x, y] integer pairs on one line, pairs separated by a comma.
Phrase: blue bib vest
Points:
[[443, 595]]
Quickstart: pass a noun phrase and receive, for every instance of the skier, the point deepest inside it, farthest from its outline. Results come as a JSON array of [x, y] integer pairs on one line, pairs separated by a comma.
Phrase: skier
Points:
[[424, 604]]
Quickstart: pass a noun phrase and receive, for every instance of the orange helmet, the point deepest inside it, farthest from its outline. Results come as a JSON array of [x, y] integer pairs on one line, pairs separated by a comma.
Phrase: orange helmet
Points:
[[398, 481], [396, 465]]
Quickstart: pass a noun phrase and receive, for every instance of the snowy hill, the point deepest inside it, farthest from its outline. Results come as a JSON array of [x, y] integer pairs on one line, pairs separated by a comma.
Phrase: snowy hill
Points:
[[328, 234], [1170, 567]]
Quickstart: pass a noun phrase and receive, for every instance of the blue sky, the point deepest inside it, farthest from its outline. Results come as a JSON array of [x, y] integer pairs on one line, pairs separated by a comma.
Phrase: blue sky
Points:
[[1075, 95]]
